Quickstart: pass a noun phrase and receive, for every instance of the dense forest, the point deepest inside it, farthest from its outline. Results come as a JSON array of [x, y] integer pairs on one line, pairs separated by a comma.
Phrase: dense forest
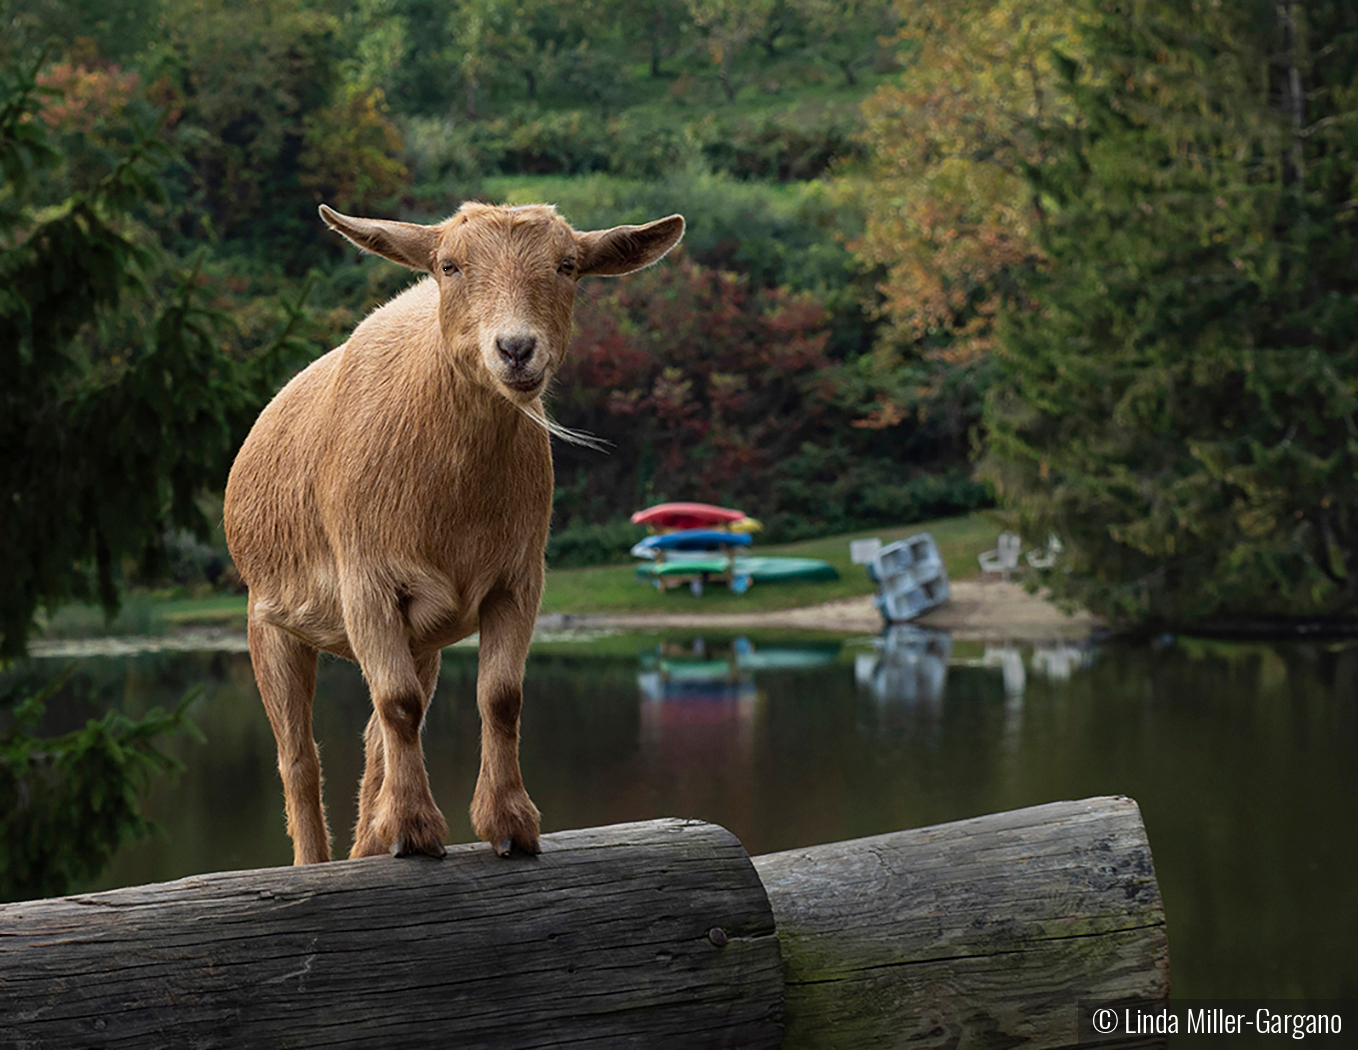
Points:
[[1093, 260]]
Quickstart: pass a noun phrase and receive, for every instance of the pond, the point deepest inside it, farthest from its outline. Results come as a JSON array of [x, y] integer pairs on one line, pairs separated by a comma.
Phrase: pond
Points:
[[1244, 759]]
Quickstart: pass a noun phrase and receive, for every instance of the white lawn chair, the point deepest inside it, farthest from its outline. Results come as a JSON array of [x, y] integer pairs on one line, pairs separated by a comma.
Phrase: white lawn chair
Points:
[[1004, 558], [1045, 557]]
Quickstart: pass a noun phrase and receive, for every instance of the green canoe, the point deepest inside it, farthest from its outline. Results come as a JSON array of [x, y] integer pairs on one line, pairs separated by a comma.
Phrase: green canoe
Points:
[[758, 569]]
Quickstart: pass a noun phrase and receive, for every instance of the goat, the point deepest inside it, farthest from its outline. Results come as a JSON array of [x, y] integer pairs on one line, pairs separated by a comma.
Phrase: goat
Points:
[[395, 497]]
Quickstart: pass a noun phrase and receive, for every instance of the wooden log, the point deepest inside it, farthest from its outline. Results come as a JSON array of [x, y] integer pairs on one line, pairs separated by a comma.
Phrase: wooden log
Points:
[[979, 934], [640, 935]]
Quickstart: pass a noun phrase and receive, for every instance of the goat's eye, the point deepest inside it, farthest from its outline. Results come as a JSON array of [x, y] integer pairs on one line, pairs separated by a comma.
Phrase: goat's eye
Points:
[[450, 267], [567, 268]]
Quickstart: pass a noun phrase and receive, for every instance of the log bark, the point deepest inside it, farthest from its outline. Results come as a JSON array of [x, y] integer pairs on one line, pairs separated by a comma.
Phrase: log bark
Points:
[[980, 934], [642, 935]]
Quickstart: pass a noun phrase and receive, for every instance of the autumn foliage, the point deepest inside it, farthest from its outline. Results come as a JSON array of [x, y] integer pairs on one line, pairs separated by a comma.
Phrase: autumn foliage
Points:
[[78, 97], [711, 389]]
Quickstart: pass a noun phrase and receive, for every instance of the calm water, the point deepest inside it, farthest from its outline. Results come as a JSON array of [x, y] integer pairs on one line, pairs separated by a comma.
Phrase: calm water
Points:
[[1243, 759]]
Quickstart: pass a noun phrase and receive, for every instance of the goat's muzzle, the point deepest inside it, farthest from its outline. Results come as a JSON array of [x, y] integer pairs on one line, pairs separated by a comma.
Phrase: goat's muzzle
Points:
[[516, 350], [527, 385]]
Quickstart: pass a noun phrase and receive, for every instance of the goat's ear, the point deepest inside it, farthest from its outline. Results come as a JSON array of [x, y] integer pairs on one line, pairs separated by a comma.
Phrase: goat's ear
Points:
[[623, 249], [406, 243]]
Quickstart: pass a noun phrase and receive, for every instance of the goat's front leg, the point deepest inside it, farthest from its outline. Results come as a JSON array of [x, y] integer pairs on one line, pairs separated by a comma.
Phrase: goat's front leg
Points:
[[374, 767], [501, 811], [400, 816]]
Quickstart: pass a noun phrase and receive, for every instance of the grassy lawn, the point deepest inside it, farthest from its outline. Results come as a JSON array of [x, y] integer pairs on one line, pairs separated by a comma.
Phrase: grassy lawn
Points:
[[604, 589]]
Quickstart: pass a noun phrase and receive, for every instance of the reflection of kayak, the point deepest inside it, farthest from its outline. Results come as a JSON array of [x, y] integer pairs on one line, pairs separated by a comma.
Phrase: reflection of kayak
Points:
[[689, 540], [760, 569], [698, 670], [686, 516], [788, 659], [729, 670]]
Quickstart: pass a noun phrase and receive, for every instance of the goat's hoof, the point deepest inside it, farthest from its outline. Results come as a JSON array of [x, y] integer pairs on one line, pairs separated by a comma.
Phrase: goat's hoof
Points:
[[511, 827], [420, 832], [401, 849], [505, 847]]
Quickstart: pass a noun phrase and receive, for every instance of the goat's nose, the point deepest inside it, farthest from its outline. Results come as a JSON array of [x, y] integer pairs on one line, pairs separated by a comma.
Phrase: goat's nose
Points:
[[516, 349]]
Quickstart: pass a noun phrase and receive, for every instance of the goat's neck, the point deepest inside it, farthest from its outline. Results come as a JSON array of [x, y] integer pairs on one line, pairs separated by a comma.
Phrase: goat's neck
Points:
[[477, 413]]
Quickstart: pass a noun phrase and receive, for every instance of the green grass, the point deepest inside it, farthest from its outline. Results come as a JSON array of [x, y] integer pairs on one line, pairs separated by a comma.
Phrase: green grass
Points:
[[214, 610], [615, 588]]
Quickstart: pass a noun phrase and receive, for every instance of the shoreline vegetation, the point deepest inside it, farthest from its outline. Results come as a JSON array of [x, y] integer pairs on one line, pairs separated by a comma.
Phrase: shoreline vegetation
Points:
[[581, 605], [582, 601]]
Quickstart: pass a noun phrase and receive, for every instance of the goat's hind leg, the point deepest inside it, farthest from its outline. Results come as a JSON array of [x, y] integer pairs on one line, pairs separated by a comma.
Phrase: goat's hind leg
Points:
[[285, 671], [501, 811]]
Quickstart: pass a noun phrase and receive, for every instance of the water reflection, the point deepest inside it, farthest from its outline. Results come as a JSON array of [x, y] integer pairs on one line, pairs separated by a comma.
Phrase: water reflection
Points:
[[697, 670], [1244, 759], [907, 665]]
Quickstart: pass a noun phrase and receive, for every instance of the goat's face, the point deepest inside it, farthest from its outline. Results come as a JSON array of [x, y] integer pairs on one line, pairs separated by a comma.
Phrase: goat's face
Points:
[[507, 278]]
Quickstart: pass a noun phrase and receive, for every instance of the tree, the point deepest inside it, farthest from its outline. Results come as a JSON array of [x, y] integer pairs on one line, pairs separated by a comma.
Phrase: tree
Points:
[[659, 27], [67, 803], [118, 406], [846, 32], [951, 216], [116, 31], [269, 125], [1178, 384], [730, 25]]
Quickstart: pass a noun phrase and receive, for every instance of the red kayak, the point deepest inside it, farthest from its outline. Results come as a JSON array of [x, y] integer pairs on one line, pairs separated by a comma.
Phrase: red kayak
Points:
[[685, 516]]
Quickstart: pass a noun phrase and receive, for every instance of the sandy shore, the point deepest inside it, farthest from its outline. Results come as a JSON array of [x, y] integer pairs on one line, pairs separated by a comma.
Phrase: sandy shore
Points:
[[978, 609]]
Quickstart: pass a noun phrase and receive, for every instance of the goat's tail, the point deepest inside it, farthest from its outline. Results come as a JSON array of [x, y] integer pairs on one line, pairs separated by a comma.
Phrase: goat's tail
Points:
[[575, 437]]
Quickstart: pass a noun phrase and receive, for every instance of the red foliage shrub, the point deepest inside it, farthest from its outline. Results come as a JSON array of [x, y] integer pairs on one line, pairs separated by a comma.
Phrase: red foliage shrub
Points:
[[701, 384]]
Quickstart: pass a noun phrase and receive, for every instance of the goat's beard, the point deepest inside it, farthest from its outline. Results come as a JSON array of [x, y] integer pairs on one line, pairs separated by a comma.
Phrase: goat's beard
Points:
[[555, 429]]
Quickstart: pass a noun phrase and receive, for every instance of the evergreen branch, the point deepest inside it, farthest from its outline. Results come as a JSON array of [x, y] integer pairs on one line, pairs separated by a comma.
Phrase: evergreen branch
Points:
[[1325, 122]]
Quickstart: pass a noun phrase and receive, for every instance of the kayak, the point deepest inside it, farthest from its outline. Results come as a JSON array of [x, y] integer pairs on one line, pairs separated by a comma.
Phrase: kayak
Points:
[[689, 540], [757, 569], [686, 516]]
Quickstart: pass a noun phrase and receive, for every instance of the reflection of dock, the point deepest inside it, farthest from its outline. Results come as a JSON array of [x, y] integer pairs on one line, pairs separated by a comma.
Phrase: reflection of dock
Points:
[[908, 664]]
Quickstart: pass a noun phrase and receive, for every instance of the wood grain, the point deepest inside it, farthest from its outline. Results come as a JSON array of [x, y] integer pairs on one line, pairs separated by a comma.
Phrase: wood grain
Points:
[[602, 941], [978, 934]]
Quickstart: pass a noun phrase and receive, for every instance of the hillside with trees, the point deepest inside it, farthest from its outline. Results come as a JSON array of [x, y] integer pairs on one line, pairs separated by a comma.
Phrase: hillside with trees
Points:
[[1105, 252], [1139, 221]]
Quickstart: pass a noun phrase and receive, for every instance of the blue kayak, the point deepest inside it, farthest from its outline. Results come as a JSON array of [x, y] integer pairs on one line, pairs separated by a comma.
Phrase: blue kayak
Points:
[[689, 540]]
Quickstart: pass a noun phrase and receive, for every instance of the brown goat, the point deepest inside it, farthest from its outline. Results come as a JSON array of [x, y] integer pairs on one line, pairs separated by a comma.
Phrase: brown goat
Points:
[[395, 497]]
